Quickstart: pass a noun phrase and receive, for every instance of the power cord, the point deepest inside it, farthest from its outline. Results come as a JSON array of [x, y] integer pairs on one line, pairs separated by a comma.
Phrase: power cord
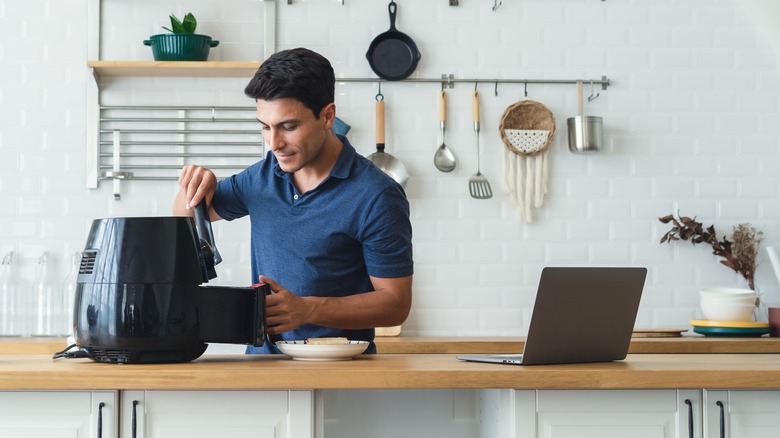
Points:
[[67, 354]]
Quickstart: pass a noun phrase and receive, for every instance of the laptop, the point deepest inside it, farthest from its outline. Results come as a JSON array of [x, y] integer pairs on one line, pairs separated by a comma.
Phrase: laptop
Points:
[[581, 314]]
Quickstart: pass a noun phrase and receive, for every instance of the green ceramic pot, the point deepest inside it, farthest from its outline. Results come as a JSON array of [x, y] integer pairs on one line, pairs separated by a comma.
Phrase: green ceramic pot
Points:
[[180, 47]]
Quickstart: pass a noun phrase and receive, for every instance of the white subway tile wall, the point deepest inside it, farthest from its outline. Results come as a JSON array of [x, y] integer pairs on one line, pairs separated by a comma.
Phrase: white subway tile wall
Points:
[[690, 122]]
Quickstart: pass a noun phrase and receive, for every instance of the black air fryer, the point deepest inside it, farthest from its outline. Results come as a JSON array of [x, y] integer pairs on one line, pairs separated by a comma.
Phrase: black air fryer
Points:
[[139, 297]]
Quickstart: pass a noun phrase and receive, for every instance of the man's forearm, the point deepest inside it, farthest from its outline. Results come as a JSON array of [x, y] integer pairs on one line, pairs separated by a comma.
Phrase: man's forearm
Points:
[[383, 307]]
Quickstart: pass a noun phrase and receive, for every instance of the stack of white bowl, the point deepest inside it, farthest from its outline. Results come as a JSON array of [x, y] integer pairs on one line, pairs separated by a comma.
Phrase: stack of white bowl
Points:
[[728, 304]]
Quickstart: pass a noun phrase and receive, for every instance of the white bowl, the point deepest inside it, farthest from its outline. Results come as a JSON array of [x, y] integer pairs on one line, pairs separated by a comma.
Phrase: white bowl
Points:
[[722, 292], [747, 299], [727, 291], [720, 311], [727, 295]]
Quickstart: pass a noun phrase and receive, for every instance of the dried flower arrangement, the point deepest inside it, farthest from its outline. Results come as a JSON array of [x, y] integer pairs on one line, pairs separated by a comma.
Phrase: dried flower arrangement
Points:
[[740, 255]]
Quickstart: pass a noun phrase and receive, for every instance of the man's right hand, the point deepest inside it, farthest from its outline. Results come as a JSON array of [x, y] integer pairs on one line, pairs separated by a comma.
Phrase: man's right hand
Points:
[[195, 183]]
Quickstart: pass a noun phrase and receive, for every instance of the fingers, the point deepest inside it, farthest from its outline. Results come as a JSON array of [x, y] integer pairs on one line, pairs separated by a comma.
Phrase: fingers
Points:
[[278, 308], [275, 287], [275, 298], [277, 314], [197, 183]]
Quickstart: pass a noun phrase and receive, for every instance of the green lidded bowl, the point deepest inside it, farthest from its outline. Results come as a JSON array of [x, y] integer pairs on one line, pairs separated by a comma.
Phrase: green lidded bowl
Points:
[[180, 47]]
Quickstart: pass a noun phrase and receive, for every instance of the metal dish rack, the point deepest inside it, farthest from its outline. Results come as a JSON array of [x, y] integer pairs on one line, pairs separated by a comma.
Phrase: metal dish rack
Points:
[[153, 142]]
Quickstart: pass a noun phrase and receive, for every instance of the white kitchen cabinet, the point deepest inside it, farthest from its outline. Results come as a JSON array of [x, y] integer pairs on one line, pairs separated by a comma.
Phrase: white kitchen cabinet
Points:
[[661, 413], [392, 413], [502, 413], [72, 414], [741, 413], [196, 414]]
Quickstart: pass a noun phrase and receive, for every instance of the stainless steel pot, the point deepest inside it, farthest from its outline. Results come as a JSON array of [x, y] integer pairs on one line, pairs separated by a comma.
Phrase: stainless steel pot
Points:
[[585, 134]]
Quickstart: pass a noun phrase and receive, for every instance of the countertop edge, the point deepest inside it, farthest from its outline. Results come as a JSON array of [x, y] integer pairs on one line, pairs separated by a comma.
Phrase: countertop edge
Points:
[[266, 372]]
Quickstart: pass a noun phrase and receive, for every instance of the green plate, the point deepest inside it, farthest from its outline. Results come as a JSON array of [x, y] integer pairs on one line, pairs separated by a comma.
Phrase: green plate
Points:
[[732, 332]]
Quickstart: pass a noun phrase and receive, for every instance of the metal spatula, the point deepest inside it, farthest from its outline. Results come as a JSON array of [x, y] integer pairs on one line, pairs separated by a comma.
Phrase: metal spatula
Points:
[[479, 187]]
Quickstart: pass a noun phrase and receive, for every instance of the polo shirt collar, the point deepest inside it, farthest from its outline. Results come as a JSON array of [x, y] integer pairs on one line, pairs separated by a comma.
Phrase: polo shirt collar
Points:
[[340, 170], [345, 160]]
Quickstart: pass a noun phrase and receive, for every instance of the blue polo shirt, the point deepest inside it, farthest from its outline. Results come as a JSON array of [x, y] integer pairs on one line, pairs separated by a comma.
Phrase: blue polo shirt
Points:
[[325, 242]]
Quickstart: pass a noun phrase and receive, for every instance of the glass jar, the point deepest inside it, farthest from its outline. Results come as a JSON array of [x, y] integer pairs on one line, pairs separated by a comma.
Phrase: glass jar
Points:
[[12, 308], [69, 285], [46, 302]]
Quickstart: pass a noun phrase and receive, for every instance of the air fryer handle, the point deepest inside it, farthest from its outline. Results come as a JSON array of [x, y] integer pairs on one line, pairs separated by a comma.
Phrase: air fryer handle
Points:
[[232, 315], [203, 226]]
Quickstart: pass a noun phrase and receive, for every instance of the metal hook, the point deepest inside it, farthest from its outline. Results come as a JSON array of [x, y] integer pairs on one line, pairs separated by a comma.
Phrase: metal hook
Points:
[[592, 97], [496, 4], [495, 91], [475, 85], [525, 89], [379, 95]]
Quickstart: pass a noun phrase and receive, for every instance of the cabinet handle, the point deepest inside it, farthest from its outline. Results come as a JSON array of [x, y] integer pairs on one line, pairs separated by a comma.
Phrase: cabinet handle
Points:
[[100, 420], [133, 424], [690, 417], [722, 419]]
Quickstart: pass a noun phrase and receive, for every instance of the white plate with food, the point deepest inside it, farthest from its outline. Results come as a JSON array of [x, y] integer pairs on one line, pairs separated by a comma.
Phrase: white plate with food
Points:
[[322, 349]]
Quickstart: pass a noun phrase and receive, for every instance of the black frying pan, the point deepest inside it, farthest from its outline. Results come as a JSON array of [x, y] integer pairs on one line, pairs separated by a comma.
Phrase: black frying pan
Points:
[[393, 55]]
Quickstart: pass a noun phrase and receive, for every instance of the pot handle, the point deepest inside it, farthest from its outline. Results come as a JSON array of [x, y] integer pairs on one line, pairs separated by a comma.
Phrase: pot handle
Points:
[[380, 125], [213, 43], [147, 42]]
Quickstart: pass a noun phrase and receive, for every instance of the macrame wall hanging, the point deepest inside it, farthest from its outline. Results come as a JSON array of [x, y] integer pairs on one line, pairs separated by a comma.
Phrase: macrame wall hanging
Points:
[[527, 128]]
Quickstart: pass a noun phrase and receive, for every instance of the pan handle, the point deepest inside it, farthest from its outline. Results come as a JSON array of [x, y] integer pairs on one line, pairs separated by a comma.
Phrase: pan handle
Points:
[[380, 125], [391, 8]]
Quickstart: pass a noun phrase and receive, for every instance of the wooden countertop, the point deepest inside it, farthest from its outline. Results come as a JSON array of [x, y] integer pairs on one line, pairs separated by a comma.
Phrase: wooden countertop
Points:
[[469, 345], [670, 345], [31, 345], [638, 371]]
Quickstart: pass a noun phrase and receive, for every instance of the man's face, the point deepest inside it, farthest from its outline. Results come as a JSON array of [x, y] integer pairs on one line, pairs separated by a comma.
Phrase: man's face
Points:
[[292, 133]]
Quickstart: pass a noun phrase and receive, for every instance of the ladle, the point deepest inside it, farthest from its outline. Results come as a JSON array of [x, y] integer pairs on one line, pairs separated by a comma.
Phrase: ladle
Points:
[[444, 159]]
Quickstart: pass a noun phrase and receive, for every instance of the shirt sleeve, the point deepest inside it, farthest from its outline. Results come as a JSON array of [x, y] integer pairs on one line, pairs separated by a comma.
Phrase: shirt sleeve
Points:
[[228, 200], [387, 236]]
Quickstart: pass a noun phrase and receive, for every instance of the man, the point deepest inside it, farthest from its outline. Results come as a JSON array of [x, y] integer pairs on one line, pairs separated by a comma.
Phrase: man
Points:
[[330, 232]]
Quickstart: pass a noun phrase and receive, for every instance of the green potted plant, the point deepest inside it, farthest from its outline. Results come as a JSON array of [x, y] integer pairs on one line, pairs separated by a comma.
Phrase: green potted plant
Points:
[[182, 43]]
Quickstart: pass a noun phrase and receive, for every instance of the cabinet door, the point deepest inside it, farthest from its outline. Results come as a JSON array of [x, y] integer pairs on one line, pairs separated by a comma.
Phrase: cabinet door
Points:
[[612, 413], [742, 413], [72, 414], [237, 414]]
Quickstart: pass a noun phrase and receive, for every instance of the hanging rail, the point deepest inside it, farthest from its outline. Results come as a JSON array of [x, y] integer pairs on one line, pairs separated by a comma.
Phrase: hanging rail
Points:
[[106, 164], [449, 81]]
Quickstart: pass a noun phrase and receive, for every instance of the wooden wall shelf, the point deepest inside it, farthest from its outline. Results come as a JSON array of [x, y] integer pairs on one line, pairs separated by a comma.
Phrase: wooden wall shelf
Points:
[[174, 69]]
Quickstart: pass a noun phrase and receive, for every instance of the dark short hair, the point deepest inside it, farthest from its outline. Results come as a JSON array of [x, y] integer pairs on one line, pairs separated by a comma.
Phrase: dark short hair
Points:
[[299, 74]]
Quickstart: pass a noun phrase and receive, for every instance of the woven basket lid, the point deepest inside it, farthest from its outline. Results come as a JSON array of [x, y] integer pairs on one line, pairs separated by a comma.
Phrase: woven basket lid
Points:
[[527, 128]]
